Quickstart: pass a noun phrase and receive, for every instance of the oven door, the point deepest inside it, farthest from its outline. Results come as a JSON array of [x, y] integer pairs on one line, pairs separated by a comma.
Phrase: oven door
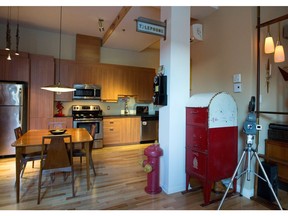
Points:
[[87, 124]]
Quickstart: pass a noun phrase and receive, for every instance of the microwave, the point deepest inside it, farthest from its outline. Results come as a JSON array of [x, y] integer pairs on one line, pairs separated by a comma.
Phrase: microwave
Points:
[[87, 92]]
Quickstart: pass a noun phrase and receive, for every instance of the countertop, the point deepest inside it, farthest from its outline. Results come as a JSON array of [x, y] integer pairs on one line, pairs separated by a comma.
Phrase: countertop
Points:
[[128, 116]]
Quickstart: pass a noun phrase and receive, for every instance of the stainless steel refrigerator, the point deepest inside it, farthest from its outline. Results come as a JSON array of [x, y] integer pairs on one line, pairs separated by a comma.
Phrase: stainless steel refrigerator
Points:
[[13, 113]]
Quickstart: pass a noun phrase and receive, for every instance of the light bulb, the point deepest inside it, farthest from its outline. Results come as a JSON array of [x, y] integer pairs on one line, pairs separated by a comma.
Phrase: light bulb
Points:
[[269, 44], [279, 55]]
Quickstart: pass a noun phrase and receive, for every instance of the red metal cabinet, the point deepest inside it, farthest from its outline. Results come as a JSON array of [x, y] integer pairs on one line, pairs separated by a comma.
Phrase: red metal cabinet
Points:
[[211, 139]]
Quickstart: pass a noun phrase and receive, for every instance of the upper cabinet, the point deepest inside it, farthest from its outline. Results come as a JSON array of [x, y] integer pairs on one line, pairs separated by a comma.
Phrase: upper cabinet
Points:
[[41, 101], [66, 77], [118, 80], [17, 69]]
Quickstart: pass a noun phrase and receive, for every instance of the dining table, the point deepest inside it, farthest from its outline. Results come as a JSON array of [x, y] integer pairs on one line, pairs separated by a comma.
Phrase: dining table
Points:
[[33, 138]]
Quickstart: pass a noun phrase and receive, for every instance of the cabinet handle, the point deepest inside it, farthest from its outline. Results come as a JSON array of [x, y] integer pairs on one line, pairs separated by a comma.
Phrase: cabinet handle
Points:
[[111, 122], [111, 129]]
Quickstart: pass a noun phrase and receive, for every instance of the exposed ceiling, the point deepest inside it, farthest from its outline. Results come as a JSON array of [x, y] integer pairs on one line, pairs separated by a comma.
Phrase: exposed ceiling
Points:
[[84, 20]]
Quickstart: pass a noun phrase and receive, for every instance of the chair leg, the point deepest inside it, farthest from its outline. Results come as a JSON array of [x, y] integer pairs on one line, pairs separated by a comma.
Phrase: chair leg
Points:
[[33, 164], [92, 165], [24, 166], [39, 186], [73, 190]]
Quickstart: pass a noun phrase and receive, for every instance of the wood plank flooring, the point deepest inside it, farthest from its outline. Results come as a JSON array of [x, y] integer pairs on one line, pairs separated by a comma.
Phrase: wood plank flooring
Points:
[[119, 185]]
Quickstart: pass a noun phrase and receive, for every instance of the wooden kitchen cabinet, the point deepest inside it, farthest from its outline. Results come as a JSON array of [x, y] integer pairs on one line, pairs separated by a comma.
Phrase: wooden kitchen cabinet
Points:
[[17, 69], [121, 130], [276, 152], [67, 77], [41, 101], [118, 80]]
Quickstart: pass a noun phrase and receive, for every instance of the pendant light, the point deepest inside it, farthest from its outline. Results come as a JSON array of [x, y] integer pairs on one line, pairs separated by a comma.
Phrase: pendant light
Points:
[[17, 34], [59, 88], [269, 43], [8, 34], [279, 55]]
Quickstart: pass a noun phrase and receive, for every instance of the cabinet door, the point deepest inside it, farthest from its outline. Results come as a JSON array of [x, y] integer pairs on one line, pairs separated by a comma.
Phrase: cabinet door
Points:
[[144, 80], [15, 70], [130, 130], [111, 131], [66, 77], [41, 101]]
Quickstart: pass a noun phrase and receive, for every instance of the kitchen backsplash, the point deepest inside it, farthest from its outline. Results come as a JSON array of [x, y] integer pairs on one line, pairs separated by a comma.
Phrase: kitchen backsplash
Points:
[[107, 108]]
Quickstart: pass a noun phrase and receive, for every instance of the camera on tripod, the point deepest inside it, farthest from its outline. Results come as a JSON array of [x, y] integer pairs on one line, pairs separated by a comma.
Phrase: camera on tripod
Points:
[[250, 127]]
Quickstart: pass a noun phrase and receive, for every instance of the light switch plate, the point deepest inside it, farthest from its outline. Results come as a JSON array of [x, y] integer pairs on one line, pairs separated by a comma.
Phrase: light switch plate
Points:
[[237, 87], [236, 78]]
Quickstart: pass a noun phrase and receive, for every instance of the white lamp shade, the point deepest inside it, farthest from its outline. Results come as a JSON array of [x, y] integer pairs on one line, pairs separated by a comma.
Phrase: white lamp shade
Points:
[[269, 45], [279, 55]]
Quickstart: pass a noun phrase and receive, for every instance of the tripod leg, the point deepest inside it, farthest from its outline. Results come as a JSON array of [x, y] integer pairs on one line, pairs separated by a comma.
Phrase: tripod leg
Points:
[[233, 177], [268, 182]]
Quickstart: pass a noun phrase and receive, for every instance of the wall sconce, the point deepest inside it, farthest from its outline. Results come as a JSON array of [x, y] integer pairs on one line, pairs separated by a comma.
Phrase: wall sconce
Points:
[[279, 55], [269, 43], [100, 24]]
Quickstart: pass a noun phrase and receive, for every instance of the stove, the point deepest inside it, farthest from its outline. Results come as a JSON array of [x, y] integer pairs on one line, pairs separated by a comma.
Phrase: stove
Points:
[[86, 112], [86, 115]]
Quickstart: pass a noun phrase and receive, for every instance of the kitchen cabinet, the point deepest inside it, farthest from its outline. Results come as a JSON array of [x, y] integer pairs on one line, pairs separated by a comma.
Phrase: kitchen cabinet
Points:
[[121, 130], [118, 80], [66, 77], [17, 69], [211, 139], [41, 101], [276, 152]]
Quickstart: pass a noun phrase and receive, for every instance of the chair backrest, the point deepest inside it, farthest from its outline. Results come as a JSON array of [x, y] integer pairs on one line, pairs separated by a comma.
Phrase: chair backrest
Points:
[[56, 125], [18, 132], [57, 151], [93, 130]]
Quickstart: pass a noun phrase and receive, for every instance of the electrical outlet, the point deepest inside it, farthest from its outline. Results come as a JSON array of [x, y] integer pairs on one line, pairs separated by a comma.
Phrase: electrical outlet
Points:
[[237, 87]]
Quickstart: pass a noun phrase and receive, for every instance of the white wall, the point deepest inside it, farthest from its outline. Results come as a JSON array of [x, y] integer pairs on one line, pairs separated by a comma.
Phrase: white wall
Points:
[[229, 47], [37, 41]]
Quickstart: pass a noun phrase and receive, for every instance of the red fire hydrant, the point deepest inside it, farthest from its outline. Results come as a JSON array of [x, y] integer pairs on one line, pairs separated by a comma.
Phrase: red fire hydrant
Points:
[[151, 167]]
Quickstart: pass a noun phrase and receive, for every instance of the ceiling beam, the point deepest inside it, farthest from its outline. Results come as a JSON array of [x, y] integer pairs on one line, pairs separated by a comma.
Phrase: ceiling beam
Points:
[[115, 23]]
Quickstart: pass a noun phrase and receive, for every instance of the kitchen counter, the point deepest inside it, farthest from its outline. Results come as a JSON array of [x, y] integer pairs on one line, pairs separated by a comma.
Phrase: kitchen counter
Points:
[[128, 116]]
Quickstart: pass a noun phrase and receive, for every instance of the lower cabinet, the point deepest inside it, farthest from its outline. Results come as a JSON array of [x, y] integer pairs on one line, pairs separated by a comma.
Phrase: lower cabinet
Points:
[[276, 152], [121, 130]]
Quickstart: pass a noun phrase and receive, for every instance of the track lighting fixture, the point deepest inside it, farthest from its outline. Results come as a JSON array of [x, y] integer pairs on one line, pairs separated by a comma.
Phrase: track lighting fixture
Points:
[[100, 25]]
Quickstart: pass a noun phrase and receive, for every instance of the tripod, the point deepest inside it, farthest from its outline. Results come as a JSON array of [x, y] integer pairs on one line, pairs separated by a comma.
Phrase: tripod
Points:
[[248, 149]]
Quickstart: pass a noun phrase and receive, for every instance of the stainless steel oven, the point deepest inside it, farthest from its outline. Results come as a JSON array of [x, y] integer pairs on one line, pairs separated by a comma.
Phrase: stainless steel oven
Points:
[[86, 115]]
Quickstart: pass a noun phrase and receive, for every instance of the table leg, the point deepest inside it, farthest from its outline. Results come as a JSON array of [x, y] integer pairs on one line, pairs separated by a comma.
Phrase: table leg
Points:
[[18, 170], [87, 164]]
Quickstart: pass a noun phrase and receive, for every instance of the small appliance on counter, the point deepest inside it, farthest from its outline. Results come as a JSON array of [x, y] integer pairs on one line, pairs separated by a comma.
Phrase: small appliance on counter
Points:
[[149, 125], [84, 116]]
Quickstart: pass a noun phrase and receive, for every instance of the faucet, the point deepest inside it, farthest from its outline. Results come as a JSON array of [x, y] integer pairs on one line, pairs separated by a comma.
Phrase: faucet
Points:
[[126, 111]]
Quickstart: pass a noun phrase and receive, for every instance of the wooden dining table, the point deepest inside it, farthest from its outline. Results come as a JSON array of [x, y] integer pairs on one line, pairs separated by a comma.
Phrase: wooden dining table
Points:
[[33, 138]]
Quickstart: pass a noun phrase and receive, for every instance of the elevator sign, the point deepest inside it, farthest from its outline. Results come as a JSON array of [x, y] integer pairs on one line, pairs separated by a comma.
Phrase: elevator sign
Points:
[[149, 26]]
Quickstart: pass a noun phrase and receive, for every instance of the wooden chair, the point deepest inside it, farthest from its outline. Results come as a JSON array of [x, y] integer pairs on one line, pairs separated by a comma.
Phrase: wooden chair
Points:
[[82, 153], [26, 157], [58, 159]]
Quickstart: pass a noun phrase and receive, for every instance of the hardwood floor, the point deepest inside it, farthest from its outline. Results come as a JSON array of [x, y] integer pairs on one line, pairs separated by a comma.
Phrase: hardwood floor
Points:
[[119, 185]]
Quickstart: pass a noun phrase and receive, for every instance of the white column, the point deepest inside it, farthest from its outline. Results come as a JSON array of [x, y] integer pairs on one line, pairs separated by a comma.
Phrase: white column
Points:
[[175, 56]]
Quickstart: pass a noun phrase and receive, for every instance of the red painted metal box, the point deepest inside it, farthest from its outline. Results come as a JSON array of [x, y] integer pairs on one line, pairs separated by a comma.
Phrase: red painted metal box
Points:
[[211, 139]]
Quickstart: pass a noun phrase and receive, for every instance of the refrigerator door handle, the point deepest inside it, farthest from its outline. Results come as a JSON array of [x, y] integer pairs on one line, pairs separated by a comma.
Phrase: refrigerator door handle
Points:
[[20, 104]]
